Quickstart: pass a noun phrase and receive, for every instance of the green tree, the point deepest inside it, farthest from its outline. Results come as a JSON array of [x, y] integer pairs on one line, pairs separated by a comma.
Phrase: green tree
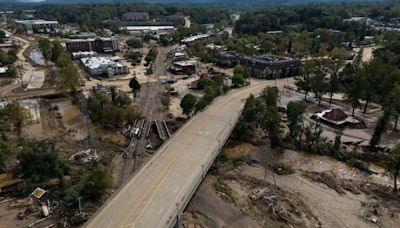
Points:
[[69, 79], [134, 43], [56, 50], [394, 103], [95, 183], [318, 83], [188, 103], [16, 117], [392, 164], [334, 80], [271, 122], [45, 47], [270, 96], [239, 74], [379, 129], [371, 76], [304, 81], [63, 60], [5, 150], [40, 160], [295, 110], [200, 105], [134, 85], [353, 92]]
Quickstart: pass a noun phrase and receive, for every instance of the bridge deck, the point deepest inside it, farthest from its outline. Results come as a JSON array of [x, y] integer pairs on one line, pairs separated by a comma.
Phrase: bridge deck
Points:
[[163, 187]]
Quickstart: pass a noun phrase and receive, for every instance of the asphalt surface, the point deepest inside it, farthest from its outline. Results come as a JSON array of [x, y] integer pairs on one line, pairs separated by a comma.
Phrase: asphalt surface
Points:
[[162, 188]]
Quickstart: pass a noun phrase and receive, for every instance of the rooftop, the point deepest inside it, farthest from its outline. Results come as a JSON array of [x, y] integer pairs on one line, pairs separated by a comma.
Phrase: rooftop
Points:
[[36, 22], [194, 38], [90, 39], [97, 62], [185, 63], [3, 70], [150, 27]]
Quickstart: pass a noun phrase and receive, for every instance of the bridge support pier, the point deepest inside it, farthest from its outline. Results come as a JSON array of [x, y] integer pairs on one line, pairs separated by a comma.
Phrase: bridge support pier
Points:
[[178, 223]]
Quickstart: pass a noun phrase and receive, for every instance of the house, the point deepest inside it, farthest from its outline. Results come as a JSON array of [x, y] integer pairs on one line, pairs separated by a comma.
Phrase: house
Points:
[[184, 67], [98, 44]]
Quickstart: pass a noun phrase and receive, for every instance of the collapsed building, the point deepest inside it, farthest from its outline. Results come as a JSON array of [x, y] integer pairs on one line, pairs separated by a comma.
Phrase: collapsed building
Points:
[[263, 66]]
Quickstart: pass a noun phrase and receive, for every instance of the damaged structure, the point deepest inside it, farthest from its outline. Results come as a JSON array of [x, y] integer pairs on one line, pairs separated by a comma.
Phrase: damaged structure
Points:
[[263, 66]]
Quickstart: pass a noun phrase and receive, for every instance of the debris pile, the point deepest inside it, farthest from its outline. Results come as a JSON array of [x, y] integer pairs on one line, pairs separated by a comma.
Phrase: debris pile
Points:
[[281, 206], [85, 156]]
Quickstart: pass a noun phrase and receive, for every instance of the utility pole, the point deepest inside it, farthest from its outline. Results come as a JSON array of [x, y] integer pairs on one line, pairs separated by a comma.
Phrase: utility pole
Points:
[[268, 163]]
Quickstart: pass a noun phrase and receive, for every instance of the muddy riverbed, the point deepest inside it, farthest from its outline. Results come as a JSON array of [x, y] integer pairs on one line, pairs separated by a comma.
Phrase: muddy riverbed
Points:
[[317, 203]]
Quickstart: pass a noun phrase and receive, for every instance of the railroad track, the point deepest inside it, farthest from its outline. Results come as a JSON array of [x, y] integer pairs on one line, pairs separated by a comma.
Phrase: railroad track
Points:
[[152, 110]]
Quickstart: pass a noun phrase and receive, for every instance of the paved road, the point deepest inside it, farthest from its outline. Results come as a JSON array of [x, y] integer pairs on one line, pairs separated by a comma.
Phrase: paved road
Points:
[[153, 197]]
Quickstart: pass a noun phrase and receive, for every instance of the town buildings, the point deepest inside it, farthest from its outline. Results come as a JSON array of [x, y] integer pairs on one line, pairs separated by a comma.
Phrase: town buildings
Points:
[[264, 66], [136, 16], [98, 44], [184, 67], [39, 26], [103, 66], [191, 39], [138, 30]]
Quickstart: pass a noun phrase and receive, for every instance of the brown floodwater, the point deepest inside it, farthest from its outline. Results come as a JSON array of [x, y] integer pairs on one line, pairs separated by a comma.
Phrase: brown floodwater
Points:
[[71, 117]]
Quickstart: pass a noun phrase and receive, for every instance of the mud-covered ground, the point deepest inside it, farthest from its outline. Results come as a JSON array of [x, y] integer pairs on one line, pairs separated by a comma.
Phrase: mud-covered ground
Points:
[[320, 192]]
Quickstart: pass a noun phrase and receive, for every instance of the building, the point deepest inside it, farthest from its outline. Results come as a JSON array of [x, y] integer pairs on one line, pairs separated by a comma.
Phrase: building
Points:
[[264, 66], [191, 39], [138, 30], [184, 67], [84, 54], [336, 117], [84, 35], [103, 66], [39, 26], [136, 16], [5, 72], [98, 44]]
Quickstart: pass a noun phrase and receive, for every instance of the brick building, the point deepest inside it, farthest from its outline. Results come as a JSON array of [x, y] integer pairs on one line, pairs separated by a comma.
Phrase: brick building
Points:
[[260, 66], [98, 44]]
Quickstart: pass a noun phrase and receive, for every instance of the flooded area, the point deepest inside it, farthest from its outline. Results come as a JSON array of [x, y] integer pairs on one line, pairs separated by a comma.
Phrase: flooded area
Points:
[[71, 117]]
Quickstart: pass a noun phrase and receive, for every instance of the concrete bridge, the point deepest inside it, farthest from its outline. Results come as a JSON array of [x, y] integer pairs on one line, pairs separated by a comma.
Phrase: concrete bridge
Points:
[[158, 194]]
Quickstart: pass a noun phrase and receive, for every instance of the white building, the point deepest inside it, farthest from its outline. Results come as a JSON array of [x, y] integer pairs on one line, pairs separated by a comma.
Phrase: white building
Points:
[[148, 29], [97, 66], [39, 25]]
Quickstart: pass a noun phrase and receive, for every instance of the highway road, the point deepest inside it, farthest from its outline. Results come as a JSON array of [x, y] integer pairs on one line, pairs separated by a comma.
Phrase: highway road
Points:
[[162, 188]]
